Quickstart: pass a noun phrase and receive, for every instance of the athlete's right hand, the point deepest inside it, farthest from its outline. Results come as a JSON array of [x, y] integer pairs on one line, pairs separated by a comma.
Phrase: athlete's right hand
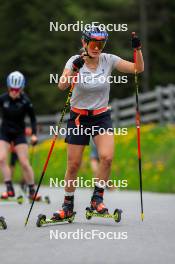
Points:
[[78, 64]]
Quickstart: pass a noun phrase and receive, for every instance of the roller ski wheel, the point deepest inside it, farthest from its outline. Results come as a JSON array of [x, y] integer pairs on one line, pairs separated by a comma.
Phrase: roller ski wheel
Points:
[[117, 215], [3, 224], [20, 199], [42, 220], [90, 212], [47, 199]]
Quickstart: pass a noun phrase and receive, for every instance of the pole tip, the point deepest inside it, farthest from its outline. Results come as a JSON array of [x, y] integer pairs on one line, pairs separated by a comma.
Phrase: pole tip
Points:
[[142, 216]]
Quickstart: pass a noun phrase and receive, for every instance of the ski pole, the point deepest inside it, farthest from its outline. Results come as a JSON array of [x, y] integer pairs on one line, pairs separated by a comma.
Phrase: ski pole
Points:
[[138, 132], [52, 144]]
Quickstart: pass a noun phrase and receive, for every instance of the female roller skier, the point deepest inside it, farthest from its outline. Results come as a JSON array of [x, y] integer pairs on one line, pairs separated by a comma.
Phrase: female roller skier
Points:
[[15, 105], [89, 108]]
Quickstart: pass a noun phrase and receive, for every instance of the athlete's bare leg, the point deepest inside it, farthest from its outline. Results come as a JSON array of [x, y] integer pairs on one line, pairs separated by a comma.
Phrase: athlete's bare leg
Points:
[[4, 166], [22, 152], [74, 158]]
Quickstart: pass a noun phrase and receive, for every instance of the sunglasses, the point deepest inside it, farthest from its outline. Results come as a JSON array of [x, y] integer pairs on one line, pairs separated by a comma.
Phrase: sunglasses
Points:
[[96, 44], [14, 90]]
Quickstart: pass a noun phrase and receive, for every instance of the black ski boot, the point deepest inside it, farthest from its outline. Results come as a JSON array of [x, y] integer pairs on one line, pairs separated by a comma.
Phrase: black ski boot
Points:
[[32, 194], [10, 191], [67, 209], [97, 201]]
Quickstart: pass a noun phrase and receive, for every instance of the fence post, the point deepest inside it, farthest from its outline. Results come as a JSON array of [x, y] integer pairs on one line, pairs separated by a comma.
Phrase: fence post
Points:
[[115, 111], [160, 102], [171, 98]]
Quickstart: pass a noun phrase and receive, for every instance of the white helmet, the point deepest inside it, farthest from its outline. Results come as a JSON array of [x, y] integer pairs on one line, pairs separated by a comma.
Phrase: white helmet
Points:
[[16, 80]]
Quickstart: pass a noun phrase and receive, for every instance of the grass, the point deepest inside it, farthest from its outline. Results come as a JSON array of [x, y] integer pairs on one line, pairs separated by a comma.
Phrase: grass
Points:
[[158, 159]]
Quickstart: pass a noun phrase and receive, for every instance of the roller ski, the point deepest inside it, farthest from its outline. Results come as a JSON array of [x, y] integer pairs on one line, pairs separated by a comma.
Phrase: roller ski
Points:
[[3, 224], [38, 198], [98, 209], [91, 213], [10, 197], [65, 215]]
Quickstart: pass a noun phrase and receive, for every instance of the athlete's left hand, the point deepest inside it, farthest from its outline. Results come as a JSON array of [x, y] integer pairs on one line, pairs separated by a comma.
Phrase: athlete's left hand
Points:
[[34, 140], [135, 41]]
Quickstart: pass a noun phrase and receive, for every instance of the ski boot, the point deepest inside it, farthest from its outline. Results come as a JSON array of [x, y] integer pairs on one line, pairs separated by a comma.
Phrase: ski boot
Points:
[[38, 198], [9, 196], [67, 209], [32, 197], [10, 191], [97, 203], [65, 215]]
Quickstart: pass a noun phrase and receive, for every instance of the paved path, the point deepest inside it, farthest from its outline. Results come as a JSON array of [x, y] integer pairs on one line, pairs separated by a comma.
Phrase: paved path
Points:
[[152, 241]]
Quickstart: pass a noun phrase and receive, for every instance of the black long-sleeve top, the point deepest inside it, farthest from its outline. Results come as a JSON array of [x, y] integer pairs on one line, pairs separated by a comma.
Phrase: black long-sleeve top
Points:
[[14, 112]]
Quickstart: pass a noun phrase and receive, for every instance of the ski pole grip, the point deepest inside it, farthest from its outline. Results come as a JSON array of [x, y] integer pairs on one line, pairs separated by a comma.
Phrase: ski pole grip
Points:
[[134, 55]]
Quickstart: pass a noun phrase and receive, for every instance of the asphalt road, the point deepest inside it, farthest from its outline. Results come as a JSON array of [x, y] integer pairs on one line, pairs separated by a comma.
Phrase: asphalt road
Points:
[[152, 241]]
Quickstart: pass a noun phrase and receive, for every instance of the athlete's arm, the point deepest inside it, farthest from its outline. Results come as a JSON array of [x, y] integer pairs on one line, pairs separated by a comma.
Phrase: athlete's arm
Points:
[[32, 116], [65, 79], [129, 67], [1, 100]]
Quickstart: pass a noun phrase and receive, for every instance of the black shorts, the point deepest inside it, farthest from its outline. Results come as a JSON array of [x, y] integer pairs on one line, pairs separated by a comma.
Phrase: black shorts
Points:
[[89, 126], [16, 139]]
